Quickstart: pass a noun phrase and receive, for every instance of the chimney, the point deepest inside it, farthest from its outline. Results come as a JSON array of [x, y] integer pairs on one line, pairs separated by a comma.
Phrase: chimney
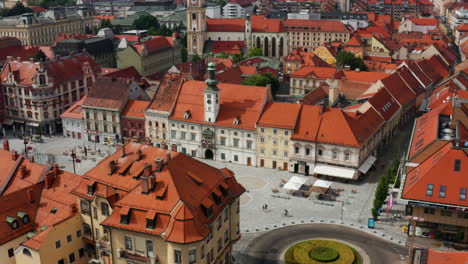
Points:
[[147, 170], [112, 166], [139, 154], [159, 163], [152, 182], [14, 155], [6, 145], [347, 67], [168, 156], [22, 172], [144, 185], [55, 169], [332, 96], [29, 194], [123, 151], [31, 158], [31, 60], [49, 180]]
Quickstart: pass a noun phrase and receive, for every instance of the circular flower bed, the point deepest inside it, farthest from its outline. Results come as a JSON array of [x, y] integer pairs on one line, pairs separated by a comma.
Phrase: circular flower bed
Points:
[[323, 254], [321, 251]]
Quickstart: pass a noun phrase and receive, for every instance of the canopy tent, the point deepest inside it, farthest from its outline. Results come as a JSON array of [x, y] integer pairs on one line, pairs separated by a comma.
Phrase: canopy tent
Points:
[[321, 186], [367, 164], [335, 171], [295, 183]]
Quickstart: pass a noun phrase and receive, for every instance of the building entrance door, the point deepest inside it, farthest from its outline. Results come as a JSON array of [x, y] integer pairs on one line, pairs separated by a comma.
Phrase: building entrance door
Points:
[[209, 154], [249, 161]]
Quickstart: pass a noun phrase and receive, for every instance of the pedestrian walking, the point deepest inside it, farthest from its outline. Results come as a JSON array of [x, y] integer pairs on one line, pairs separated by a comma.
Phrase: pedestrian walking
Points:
[[266, 207], [263, 207]]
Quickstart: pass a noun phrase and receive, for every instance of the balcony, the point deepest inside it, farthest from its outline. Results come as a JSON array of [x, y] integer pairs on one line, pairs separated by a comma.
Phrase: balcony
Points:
[[132, 256]]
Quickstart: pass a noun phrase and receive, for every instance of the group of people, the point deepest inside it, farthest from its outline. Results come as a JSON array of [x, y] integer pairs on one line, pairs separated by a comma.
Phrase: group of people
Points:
[[265, 208]]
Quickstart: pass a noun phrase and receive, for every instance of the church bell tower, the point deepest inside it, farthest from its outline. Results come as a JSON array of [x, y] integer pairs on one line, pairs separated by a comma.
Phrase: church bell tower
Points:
[[196, 27]]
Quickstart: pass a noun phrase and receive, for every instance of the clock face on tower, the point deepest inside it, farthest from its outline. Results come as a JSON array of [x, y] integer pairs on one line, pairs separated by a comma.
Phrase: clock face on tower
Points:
[[208, 101]]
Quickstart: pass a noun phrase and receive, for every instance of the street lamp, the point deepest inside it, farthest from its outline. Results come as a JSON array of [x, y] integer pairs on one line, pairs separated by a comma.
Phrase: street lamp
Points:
[[25, 142], [413, 220], [73, 155]]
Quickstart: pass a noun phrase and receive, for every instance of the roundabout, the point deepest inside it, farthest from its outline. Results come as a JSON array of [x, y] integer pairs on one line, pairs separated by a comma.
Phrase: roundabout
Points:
[[319, 244]]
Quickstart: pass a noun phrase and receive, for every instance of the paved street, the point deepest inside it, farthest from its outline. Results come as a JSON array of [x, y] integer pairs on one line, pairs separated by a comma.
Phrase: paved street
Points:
[[269, 247]]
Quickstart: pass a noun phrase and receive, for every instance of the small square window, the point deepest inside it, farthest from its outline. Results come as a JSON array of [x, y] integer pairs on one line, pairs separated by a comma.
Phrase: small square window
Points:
[[429, 189], [78, 233], [58, 244], [442, 191], [71, 257], [81, 252], [11, 252], [69, 238]]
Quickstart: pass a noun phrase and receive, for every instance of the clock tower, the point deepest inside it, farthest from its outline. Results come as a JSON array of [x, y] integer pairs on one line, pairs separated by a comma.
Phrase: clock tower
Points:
[[196, 26], [211, 95]]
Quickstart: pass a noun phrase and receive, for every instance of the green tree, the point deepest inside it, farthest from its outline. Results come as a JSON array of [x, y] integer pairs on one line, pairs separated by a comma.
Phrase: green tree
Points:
[[263, 80], [223, 55], [255, 52], [184, 54], [346, 58], [40, 56], [195, 58], [255, 9], [105, 23], [238, 57], [145, 22], [19, 9]]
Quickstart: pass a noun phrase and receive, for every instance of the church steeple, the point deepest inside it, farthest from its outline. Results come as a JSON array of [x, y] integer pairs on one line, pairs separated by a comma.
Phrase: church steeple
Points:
[[211, 95]]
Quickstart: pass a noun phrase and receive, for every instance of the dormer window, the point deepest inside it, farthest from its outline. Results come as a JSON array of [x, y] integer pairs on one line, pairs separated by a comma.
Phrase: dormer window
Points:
[[224, 191], [12, 222], [24, 217], [236, 121], [91, 189], [187, 114], [216, 198], [125, 215], [150, 223], [208, 212], [150, 219]]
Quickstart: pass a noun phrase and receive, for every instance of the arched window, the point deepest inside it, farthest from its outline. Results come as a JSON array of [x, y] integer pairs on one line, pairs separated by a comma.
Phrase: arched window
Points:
[[42, 79], [194, 16], [26, 252]]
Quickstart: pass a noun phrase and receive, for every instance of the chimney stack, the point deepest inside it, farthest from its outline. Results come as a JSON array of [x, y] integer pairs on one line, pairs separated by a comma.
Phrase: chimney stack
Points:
[[152, 182], [31, 60], [6, 145], [73, 208], [159, 163], [49, 180], [22, 172], [123, 151], [55, 169], [14, 155], [139, 154], [168, 156], [31, 158], [29, 194], [147, 170], [112, 166], [347, 67], [144, 185]]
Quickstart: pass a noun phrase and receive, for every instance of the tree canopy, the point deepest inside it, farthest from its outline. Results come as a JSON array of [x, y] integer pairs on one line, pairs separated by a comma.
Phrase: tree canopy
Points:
[[195, 58], [40, 56], [346, 58], [223, 55], [263, 80], [238, 57], [145, 22], [18, 9], [253, 52]]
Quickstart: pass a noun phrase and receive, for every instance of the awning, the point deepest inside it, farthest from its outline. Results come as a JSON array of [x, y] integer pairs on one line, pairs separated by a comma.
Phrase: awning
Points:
[[367, 164], [295, 183], [322, 184], [334, 171], [32, 124], [8, 122]]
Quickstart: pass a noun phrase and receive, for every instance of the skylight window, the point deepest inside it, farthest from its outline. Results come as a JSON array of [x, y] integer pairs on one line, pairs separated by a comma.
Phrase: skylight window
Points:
[[430, 188], [442, 191], [457, 165], [463, 194]]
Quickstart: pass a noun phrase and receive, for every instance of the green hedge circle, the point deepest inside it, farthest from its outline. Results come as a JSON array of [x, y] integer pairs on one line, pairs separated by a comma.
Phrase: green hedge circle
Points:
[[324, 254], [321, 251]]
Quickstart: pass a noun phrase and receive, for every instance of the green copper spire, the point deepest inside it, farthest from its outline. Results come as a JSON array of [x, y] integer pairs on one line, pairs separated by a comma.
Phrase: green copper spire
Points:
[[211, 82]]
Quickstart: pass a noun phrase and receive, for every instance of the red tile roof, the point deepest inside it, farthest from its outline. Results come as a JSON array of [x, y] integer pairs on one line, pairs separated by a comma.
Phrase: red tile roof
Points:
[[425, 21], [236, 101], [354, 41], [75, 111], [24, 52], [385, 104], [264, 25], [168, 90], [61, 70], [230, 47], [429, 172], [305, 58], [398, 89], [315, 25], [314, 72], [315, 96], [64, 36], [360, 76], [334, 126], [279, 115], [452, 257], [128, 73], [153, 45], [99, 95], [225, 24], [182, 187], [135, 109]]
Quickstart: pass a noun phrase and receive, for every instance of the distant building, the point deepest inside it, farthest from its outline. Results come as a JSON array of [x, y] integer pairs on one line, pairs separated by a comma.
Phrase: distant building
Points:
[[155, 54], [72, 121], [36, 93], [238, 9], [37, 30], [133, 119]]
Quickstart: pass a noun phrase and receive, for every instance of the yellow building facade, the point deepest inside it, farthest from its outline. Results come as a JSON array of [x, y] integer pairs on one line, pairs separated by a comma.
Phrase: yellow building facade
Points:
[[325, 54], [273, 147]]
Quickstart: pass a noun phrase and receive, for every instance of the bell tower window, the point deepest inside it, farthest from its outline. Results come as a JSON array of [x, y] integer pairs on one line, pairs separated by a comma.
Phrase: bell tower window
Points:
[[42, 79], [194, 16]]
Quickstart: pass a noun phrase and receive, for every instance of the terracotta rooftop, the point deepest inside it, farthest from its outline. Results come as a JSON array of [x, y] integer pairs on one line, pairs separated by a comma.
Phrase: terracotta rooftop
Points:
[[314, 72], [75, 111], [183, 188], [230, 47], [452, 257], [153, 45], [135, 109], [385, 104], [99, 95], [167, 92], [279, 115], [236, 101], [126, 73], [315, 25], [361, 76], [305, 58]]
